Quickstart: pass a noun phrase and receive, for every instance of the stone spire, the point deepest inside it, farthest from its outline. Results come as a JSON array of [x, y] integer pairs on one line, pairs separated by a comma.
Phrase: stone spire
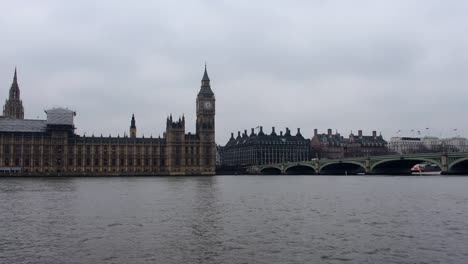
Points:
[[133, 127], [14, 106], [205, 75], [205, 85], [14, 90], [132, 123]]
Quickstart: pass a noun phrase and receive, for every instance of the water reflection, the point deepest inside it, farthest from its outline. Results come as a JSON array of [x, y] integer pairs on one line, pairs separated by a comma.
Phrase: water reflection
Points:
[[206, 221]]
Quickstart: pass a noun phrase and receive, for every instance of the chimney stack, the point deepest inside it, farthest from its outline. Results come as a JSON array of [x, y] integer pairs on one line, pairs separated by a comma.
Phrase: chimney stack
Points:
[[329, 131], [360, 133], [374, 133], [315, 132], [298, 131]]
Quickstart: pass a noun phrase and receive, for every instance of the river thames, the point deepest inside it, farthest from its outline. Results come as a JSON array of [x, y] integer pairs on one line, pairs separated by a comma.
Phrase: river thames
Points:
[[234, 219]]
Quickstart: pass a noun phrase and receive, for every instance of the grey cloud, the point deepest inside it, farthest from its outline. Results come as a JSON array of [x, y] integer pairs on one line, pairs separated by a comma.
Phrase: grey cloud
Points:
[[383, 65]]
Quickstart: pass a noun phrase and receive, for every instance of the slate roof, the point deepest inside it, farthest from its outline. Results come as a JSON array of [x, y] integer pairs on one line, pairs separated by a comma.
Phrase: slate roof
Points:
[[59, 110], [369, 141], [337, 140], [116, 140], [205, 89], [262, 138], [205, 75], [22, 125], [332, 140]]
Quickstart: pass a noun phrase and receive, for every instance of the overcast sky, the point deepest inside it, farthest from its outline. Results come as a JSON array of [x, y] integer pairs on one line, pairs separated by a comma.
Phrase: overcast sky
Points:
[[345, 65]]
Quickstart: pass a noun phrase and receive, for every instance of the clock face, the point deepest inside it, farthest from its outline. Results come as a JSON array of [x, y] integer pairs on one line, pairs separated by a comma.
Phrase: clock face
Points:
[[208, 105]]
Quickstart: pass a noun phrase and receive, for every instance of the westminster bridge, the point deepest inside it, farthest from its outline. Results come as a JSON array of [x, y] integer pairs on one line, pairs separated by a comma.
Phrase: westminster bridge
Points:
[[449, 163]]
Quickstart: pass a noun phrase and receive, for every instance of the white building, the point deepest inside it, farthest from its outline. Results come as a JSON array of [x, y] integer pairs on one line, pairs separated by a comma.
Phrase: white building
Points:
[[456, 144], [405, 145], [60, 116], [433, 144]]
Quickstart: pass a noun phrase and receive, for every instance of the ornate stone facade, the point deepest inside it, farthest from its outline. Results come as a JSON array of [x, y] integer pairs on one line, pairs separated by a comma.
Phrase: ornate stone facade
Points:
[[50, 147], [13, 105]]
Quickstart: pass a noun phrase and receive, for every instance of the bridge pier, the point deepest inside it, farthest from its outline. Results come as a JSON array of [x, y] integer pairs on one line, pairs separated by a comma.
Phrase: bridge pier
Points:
[[367, 164], [444, 163]]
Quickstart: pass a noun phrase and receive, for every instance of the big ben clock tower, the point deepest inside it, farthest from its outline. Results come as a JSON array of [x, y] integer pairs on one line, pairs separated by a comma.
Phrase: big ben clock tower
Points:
[[206, 127]]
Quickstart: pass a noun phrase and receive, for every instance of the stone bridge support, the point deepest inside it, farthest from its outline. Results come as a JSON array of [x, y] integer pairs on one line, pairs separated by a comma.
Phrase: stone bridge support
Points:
[[444, 163], [367, 164]]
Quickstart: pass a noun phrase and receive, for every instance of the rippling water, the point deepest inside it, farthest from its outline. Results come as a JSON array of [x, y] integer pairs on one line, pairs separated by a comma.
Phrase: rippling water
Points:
[[234, 219]]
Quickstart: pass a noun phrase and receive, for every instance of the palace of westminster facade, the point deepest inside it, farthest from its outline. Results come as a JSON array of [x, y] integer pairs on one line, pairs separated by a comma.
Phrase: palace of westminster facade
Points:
[[51, 147]]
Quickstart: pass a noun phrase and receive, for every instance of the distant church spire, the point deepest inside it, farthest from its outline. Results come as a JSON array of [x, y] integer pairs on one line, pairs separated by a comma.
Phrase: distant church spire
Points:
[[14, 106]]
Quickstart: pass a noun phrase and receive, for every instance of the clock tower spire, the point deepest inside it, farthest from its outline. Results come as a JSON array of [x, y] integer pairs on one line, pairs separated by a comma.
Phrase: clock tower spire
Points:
[[205, 85]]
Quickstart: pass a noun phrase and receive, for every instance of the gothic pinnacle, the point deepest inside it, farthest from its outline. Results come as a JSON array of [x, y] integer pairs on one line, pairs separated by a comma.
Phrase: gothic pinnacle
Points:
[[205, 75]]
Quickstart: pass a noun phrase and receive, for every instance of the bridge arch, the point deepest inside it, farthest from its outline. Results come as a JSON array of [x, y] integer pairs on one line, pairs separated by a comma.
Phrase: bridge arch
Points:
[[342, 167], [300, 169], [270, 170], [458, 166], [401, 165]]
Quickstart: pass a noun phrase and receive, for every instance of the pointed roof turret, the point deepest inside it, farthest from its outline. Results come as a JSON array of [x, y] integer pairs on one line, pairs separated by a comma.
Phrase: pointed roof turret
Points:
[[132, 123], [14, 90], [205, 75], [299, 133], [273, 133], [260, 133], [14, 106], [205, 85]]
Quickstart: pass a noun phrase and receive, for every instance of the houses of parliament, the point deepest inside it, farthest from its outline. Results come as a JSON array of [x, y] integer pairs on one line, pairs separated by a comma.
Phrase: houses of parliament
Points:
[[30, 147]]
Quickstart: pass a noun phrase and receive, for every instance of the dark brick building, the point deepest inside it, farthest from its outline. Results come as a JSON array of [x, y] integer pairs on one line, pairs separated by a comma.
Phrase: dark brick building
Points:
[[335, 146], [260, 148]]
